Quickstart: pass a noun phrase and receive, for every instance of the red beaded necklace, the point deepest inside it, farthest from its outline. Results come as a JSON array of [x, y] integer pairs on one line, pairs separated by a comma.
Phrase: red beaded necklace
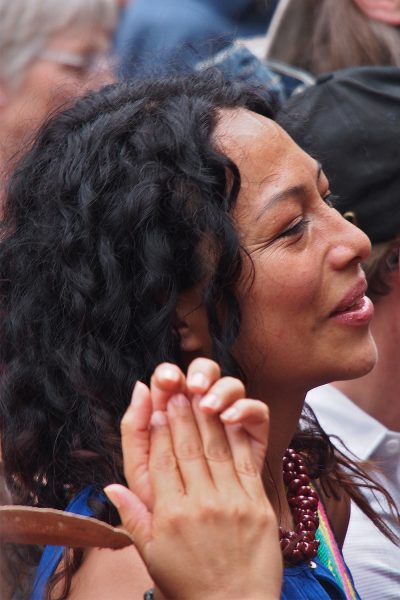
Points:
[[300, 544]]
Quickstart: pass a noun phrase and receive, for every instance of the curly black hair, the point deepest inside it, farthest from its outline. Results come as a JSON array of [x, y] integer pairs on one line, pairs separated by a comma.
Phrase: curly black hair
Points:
[[106, 222], [122, 204]]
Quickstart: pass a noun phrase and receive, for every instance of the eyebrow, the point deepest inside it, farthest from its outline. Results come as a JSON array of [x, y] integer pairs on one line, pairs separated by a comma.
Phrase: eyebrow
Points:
[[296, 191]]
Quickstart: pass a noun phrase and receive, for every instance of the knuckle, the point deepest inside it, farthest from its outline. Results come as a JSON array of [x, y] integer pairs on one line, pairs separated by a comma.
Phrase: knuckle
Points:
[[130, 524], [173, 517], [217, 450], [207, 364], [189, 449], [234, 384], [209, 510], [266, 518], [164, 461], [238, 513], [246, 466]]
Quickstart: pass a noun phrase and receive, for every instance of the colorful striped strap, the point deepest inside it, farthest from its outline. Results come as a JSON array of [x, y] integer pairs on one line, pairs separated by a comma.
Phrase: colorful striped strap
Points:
[[331, 557]]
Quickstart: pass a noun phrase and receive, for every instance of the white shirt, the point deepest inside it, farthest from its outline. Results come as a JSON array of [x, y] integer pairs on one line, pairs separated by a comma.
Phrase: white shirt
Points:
[[373, 560]]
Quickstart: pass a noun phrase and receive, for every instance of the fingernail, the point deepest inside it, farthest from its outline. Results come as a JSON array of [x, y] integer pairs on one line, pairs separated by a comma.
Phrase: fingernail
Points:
[[159, 418], [111, 492], [209, 401], [198, 380], [137, 388], [169, 373], [230, 413], [179, 400]]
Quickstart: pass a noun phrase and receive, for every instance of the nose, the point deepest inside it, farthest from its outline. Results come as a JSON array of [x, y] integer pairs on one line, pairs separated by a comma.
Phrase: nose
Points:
[[349, 243]]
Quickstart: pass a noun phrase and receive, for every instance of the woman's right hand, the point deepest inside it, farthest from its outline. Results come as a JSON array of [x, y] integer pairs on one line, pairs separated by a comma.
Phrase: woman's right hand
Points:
[[214, 395], [211, 531]]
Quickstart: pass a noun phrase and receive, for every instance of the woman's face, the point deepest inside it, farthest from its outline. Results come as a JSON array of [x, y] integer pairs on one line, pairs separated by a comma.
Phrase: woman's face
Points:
[[305, 319]]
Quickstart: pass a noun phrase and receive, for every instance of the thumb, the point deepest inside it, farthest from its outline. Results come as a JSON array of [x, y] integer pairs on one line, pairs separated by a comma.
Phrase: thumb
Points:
[[135, 517]]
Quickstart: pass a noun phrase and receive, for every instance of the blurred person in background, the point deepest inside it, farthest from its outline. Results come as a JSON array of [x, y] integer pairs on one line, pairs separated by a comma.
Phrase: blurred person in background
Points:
[[356, 113], [50, 52], [326, 35], [158, 36]]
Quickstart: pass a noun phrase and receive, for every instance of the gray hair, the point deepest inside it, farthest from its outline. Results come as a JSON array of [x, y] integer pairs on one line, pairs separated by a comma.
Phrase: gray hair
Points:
[[25, 26]]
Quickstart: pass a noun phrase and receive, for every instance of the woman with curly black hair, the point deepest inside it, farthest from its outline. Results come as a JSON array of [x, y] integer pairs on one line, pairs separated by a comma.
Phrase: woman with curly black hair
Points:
[[160, 222]]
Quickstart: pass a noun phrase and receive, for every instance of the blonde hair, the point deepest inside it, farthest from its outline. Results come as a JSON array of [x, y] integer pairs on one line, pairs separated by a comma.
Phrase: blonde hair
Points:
[[25, 26]]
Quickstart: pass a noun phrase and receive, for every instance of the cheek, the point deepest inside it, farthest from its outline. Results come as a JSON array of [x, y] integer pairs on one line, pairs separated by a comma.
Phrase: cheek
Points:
[[51, 83], [284, 297]]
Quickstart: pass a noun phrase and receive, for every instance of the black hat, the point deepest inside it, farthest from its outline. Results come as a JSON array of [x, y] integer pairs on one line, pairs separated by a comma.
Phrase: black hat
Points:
[[350, 121]]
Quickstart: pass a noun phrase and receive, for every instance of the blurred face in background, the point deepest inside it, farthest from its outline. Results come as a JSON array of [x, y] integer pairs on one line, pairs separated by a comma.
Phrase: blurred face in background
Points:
[[73, 61], [387, 11]]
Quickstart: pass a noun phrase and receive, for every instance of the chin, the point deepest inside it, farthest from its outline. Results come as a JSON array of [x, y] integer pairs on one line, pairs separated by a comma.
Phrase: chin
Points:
[[359, 362]]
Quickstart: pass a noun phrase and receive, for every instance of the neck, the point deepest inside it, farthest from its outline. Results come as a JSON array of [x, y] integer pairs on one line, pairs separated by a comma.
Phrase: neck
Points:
[[378, 392], [285, 410]]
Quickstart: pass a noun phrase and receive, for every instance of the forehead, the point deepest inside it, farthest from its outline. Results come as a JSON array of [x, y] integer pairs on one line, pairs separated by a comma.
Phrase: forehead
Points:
[[81, 37], [262, 150]]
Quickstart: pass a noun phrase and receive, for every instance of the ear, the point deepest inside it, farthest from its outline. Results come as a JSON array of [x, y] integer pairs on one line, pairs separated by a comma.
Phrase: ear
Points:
[[192, 325]]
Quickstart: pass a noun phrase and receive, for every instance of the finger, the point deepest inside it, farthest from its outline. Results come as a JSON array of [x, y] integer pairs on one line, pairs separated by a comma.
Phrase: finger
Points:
[[216, 449], [135, 438], [165, 478], [188, 447], [222, 394], [244, 461], [201, 374], [135, 517], [253, 416], [166, 380]]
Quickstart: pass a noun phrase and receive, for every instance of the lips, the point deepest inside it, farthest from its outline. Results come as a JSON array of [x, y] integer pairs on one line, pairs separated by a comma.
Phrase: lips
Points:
[[353, 299], [355, 309]]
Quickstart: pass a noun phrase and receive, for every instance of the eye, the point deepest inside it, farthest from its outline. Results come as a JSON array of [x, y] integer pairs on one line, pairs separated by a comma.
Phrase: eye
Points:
[[330, 199], [296, 229]]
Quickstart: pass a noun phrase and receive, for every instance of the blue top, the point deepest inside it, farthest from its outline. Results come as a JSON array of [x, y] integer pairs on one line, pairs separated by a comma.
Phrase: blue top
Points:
[[311, 580], [52, 554]]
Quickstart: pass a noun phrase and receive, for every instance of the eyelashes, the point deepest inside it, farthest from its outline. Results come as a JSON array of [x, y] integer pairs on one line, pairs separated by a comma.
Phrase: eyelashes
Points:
[[299, 227], [296, 229]]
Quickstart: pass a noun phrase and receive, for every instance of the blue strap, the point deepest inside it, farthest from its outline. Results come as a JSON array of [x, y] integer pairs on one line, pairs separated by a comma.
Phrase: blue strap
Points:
[[52, 554]]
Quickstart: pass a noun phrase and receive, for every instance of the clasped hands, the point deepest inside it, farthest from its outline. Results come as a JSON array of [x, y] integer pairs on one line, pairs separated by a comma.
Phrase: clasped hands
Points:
[[193, 449]]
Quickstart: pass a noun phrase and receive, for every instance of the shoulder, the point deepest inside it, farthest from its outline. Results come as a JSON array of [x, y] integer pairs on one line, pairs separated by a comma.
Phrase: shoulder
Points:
[[106, 574]]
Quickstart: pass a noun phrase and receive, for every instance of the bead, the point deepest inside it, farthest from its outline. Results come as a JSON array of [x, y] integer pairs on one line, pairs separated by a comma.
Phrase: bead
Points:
[[288, 476], [304, 490], [313, 503], [297, 556], [294, 501], [304, 478], [301, 543], [284, 543], [289, 466], [310, 525]]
